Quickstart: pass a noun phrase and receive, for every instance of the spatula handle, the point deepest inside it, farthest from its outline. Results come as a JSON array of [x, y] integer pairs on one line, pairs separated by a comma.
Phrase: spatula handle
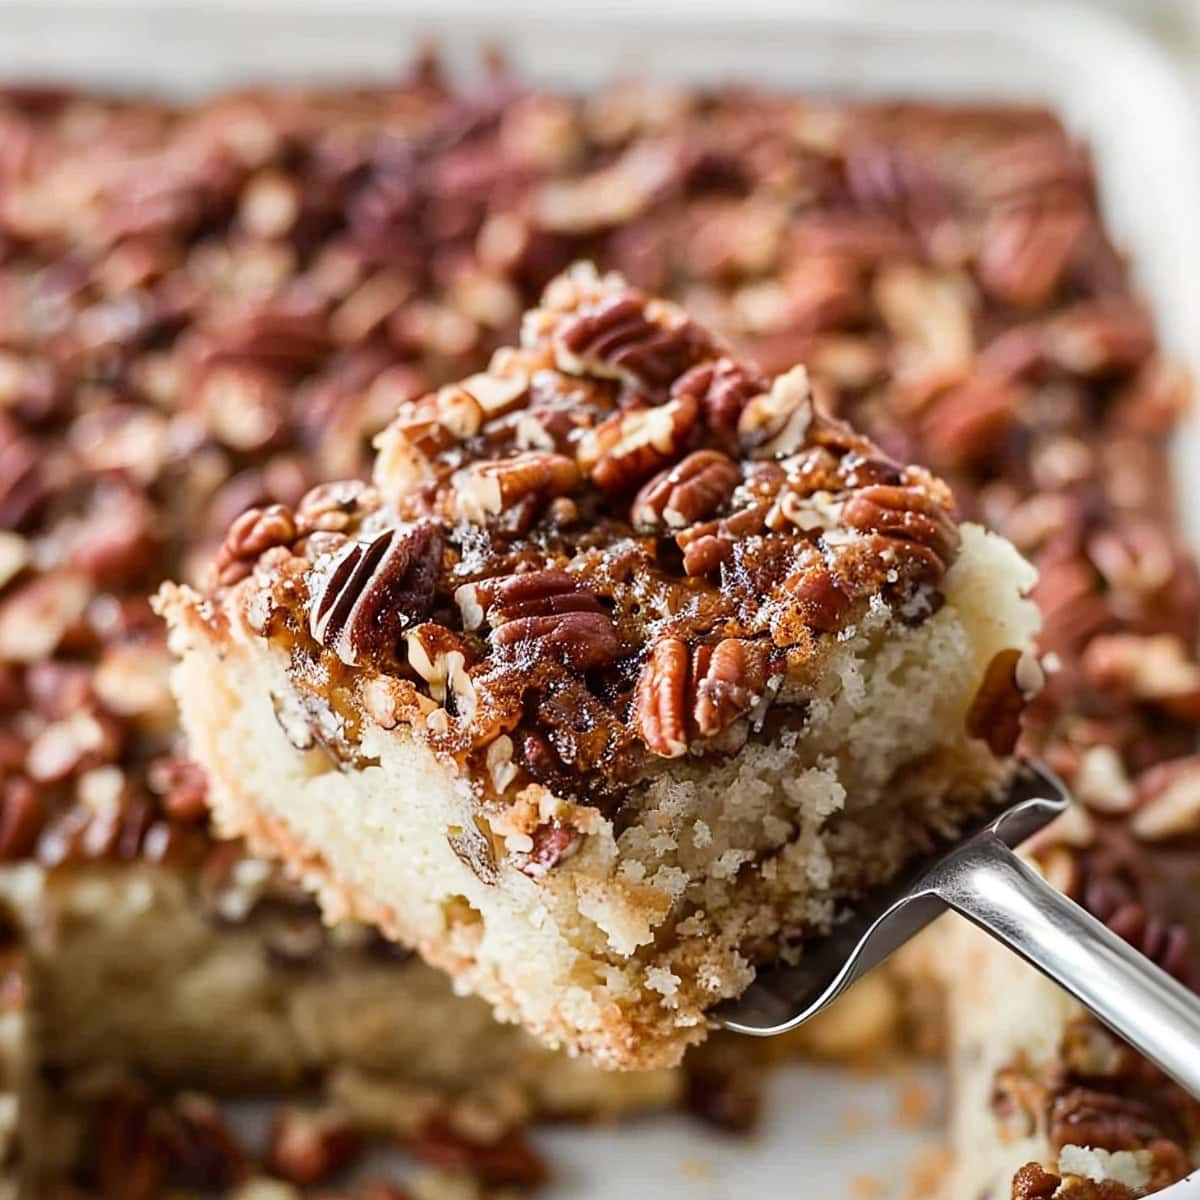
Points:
[[990, 886]]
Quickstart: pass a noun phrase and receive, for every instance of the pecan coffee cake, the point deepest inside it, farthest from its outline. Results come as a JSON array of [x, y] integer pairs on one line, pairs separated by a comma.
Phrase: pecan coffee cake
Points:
[[630, 667]]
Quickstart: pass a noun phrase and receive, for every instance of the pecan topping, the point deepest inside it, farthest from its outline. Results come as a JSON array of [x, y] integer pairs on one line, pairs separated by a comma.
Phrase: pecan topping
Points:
[[578, 639], [308, 1147], [724, 388], [253, 533], [995, 713], [774, 424], [551, 844], [660, 702], [905, 514], [1168, 800], [620, 452], [486, 489], [625, 336], [373, 591], [686, 493], [680, 694], [530, 594]]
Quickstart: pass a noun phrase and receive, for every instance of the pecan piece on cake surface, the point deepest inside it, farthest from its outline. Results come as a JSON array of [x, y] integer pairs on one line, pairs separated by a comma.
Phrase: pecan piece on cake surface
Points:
[[646, 685]]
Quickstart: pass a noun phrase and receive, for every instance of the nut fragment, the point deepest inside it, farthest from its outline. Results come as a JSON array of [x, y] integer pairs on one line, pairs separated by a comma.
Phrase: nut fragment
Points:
[[774, 424], [484, 490], [627, 447], [365, 599]]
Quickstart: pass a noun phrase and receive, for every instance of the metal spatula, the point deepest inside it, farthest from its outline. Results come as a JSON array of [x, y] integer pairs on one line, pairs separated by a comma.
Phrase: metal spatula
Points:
[[981, 878]]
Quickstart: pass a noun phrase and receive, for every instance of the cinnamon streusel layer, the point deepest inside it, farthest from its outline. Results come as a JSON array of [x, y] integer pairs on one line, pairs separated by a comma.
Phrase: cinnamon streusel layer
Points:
[[629, 670]]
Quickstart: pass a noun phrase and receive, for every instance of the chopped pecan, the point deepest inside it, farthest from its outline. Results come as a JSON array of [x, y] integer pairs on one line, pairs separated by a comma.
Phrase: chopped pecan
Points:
[[775, 424], [508, 1160], [1018, 1102], [552, 843], [251, 535], [372, 592], [440, 658], [1157, 670], [330, 507], [473, 848], [686, 493], [22, 815], [202, 1151], [627, 447], [484, 490]]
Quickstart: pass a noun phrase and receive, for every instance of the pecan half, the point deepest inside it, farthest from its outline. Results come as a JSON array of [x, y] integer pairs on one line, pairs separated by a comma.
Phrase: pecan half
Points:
[[906, 514], [529, 594], [649, 345], [728, 680], [723, 387], [707, 545], [1167, 799], [373, 592], [995, 713], [661, 699], [627, 447], [683, 694], [484, 490], [685, 493], [578, 639], [251, 535]]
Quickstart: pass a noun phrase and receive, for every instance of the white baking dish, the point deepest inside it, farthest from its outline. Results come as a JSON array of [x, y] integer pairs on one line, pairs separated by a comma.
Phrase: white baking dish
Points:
[[823, 1128]]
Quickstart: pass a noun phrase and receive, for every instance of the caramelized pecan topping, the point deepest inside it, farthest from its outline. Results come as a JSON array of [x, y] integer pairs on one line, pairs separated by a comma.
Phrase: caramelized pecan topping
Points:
[[372, 592]]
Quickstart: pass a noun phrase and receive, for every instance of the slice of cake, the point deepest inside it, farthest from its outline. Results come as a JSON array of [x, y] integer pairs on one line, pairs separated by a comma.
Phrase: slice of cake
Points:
[[629, 671]]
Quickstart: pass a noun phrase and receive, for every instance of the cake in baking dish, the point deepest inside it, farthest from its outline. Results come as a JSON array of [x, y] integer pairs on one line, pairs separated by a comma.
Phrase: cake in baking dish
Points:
[[630, 668], [210, 306]]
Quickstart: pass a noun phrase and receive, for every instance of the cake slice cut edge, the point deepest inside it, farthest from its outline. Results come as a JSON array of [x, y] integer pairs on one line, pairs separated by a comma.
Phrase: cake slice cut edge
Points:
[[630, 671]]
